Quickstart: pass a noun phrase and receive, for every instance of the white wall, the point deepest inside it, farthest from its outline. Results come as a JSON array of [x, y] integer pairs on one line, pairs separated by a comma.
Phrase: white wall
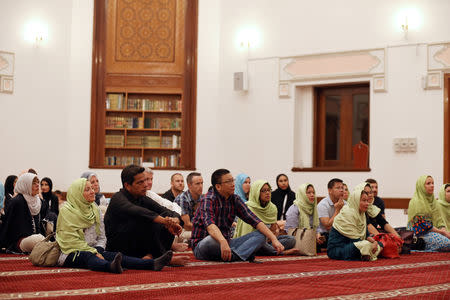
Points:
[[45, 123]]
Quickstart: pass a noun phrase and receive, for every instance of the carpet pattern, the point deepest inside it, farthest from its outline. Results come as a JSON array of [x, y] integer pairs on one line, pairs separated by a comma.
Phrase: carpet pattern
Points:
[[418, 276]]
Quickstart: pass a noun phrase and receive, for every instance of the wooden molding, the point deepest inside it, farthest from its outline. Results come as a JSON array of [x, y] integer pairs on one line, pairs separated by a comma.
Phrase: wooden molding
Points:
[[397, 203]]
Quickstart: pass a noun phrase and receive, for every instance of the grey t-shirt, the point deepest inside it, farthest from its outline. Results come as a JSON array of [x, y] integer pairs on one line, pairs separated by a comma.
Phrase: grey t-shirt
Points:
[[325, 209]]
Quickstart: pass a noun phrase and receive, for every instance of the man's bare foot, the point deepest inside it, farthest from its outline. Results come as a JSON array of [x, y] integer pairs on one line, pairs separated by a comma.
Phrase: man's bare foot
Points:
[[292, 251], [179, 247], [148, 256], [179, 260]]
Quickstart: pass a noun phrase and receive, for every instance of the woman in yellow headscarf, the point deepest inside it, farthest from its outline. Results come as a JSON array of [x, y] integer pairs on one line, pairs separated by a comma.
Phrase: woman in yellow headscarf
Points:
[[259, 203], [303, 213], [348, 237], [424, 217], [443, 205], [81, 236]]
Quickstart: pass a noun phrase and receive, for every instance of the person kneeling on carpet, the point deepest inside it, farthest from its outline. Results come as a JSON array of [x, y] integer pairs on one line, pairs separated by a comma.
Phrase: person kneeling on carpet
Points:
[[81, 236], [259, 203], [348, 237], [211, 234]]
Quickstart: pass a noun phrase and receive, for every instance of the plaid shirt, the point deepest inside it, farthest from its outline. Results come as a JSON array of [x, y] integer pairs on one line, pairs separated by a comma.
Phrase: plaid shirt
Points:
[[215, 209], [187, 204]]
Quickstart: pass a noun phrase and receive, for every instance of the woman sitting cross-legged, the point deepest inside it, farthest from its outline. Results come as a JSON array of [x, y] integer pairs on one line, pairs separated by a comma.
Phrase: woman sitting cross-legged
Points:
[[23, 225], [81, 236], [303, 213], [348, 237], [424, 217], [259, 203], [443, 205]]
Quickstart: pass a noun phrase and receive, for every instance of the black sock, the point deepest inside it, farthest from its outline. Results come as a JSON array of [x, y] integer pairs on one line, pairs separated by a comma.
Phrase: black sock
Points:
[[116, 264], [162, 261]]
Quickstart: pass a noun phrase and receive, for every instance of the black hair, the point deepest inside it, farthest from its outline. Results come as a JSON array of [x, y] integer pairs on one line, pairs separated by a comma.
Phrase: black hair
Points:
[[9, 184], [191, 176], [129, 172], [446, 186], [333, 181], [372, 181], [216, 177], [33, 171]]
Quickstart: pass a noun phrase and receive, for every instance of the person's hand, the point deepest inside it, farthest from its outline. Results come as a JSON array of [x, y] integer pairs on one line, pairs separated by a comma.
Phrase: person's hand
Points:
[[174, 229], [374, 247], [100, 256], [278, 246], [320, 239], [338, 205], [234, 224], [225, 251]]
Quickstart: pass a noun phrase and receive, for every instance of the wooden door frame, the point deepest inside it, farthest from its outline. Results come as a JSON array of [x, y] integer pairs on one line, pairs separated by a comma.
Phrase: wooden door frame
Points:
[[446, 128]]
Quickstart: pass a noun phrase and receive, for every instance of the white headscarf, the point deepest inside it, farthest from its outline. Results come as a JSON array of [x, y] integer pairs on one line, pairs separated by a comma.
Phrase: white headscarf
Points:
[[24, 186]]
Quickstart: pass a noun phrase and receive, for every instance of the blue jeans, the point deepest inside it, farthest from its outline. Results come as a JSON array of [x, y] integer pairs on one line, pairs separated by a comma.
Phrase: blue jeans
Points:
[[267, 249], [242, 247], [88, 260]]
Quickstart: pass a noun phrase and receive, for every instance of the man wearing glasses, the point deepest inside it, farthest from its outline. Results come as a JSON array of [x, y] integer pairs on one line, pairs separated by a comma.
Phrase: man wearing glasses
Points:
[[211, 234]]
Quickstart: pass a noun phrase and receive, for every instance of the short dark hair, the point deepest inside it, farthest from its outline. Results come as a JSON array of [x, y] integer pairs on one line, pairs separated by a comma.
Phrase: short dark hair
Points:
[[446, 186], [33, 171], [57, 192], [129, 172], [216, 176], [371, 180], [191, 176], [333, 181], [173, 175]]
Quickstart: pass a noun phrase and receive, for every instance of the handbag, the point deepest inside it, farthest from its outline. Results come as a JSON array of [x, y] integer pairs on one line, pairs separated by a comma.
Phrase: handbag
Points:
[[411, 241], [392, 244], [45, 253], [305, 240]]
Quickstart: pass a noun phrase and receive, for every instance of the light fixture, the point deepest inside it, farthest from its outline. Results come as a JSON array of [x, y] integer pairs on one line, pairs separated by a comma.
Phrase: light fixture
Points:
[[405, 27], [36, 33], [409, 20]]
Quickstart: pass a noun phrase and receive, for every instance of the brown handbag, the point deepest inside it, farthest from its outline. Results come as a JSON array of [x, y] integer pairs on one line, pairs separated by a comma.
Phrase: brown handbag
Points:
[[45, 253], [305, 240]]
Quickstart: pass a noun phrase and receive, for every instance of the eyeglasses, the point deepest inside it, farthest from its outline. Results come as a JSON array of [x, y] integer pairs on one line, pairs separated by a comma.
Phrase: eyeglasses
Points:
[[266, 191], [228, 181]]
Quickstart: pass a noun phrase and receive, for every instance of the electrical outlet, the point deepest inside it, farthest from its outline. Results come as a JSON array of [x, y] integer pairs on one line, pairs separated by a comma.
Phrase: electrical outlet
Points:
[[412, 144]]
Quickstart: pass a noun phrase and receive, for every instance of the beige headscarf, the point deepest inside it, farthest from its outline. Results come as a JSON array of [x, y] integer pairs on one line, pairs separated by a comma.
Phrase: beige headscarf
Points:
[[24, 186], [306, 208], [350, 222], [444, 207]]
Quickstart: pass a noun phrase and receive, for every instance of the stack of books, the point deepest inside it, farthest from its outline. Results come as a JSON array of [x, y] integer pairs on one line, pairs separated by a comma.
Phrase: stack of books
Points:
[[112, 140]]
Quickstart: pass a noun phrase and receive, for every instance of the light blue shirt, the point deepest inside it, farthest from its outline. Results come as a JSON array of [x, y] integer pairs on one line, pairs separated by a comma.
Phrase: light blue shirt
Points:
[[325, 209]]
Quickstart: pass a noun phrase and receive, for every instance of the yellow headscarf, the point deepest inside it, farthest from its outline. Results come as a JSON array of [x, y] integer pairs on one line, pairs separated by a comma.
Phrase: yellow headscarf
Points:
[[76, 215], [422, 204], [372, 210], [305, 207], [350, 222], [444, 207], [267, 214]]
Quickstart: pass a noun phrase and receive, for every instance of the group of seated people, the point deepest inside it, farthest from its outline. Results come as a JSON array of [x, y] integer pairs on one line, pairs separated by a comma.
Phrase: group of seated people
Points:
[[234, 221]]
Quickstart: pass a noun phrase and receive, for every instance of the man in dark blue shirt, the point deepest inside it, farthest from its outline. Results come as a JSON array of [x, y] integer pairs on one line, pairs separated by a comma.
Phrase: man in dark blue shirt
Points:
[[211, 235]]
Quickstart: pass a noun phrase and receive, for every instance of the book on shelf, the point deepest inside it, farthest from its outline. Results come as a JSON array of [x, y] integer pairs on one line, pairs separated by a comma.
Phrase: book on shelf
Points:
[[115, 101], [122, 160], [112, 140], [124, 122], [154, 104], [173, 141], [165, 161]]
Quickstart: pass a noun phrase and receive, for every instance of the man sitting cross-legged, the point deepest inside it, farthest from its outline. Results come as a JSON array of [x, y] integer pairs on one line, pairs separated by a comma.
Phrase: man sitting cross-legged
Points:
[[138, 226], [211, 235]]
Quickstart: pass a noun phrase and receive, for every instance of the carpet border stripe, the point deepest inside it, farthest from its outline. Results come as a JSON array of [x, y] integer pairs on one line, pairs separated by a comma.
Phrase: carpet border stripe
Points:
[[209, 282]]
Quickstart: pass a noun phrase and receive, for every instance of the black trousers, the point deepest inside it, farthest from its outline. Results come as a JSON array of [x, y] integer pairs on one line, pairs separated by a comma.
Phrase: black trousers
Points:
[[141, 239]]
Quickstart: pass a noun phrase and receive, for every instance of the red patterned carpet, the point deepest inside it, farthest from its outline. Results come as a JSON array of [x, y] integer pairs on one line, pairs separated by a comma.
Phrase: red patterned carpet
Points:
[[415, 276]]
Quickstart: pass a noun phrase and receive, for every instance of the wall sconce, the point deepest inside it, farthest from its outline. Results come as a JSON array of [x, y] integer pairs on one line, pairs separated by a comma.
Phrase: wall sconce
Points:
[[405, 27], [36, 33], [409, 20]]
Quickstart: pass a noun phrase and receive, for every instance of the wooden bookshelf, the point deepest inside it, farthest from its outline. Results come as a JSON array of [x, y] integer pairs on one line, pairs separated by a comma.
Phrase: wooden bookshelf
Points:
[[143, 86]]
